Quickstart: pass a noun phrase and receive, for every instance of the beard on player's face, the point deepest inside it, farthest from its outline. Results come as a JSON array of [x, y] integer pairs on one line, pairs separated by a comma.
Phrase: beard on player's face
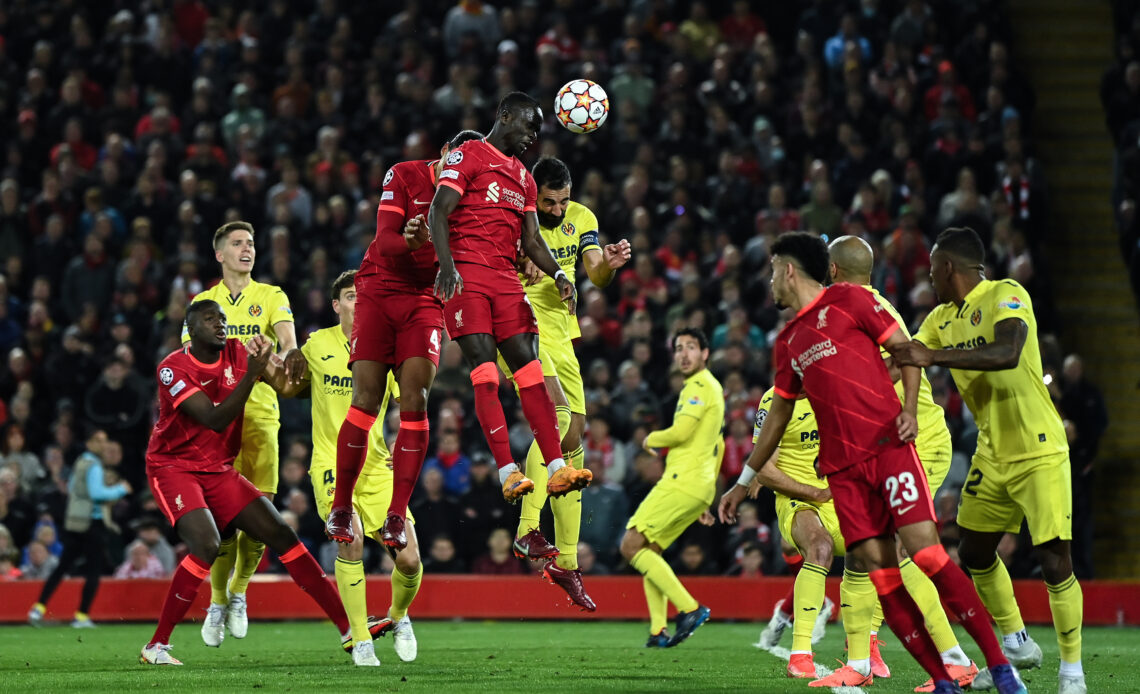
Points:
[[549, 221]]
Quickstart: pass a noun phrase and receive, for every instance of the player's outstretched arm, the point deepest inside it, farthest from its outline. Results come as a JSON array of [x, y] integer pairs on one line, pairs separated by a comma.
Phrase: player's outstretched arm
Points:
[[775, 423], [201, 409], [535, 248], [1001, 354], [448, 283], [777, 480], [602, 265], [683, 428]]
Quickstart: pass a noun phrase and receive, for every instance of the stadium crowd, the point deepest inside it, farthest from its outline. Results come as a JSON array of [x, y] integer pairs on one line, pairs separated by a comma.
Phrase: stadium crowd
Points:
[[137, 128]]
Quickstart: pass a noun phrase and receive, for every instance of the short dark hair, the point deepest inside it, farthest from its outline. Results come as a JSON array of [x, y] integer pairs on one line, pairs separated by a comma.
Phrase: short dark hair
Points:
[[695, 333], [552, 173], [963, 243], [199, 306], [227, 229], [808, 250], [343, 280], [464, 136], [515, 102]]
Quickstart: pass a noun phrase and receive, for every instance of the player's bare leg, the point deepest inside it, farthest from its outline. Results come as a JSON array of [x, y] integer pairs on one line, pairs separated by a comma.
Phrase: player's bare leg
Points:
[[406, 579], [368, 385], [262, 521], [922, 543], [661, 587], [415, 377], [198, 531], [521, 354]]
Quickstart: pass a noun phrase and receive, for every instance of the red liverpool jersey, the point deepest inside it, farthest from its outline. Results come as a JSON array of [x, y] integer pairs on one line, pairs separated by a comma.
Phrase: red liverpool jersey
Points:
[[179, 440], [496, 191], [408, 189], [831, 350]]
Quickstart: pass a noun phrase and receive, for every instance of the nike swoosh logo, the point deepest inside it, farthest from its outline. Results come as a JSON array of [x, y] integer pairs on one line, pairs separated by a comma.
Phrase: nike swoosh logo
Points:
[[1066, 633], [421, 202], [843, 604], [326, 357], [206, 383], [943, 326], [495, 429], [810, 609], [192, 599], [357, 582], [352, 446], [904, 509], [495, 166]]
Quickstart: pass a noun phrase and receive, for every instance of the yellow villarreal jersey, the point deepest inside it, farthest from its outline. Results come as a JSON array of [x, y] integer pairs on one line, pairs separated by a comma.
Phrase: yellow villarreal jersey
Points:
[[692, 467], [1015, 415], [327, 350], [577, 234], [799, 446], [253, 312], [932, 429]]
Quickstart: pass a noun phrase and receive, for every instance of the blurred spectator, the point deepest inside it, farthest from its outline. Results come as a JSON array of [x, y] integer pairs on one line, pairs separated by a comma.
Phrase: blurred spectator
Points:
[[693, 561], [452, 463], [435, 512], [140, 563], [1086, 419], [442, 558], [750, 563], [605, 511], [499, 558], [39, 562]]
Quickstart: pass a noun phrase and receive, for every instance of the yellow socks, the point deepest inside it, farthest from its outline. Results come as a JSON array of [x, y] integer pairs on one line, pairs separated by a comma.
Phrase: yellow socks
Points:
[[351, 584], [404, 589], [650, 564], [658, 606], [249, 553], [1066, 601], [567, 512], [532, 503], [220, 570], [925, 595], [809, 594], [996, 591], [858, 600]]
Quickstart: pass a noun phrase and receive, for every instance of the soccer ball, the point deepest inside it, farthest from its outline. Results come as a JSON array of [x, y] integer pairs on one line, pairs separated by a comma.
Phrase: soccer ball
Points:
[[581, 106]]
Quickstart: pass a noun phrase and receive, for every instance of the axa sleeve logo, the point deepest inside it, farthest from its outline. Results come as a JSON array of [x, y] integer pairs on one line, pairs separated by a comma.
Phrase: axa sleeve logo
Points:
[[493, 192]]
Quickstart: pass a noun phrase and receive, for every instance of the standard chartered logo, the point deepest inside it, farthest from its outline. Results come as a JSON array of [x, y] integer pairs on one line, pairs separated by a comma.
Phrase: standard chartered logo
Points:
[[493, 192]]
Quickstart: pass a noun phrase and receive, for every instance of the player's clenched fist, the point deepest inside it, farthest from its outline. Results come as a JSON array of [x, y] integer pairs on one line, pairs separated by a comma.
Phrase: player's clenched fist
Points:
[[568, 293], [911, 354], [416, 232], [617, 254], [258, 350]]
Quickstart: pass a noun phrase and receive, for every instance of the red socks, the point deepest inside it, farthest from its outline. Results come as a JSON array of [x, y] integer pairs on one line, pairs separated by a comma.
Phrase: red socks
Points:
[[351, 450], [489, 411], [407, 459], [306, 573], [959, 593], [538, 409], [795, 563], [906, 620], [183, 589]]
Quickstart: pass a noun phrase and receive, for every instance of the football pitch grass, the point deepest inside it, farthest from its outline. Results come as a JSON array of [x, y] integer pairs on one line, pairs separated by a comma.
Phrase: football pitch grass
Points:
[[506, 656]]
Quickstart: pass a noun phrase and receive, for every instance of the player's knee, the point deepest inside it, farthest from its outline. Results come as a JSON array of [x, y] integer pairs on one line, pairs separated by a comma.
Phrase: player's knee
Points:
[[206, 549], [354, 551], [413, 399], [1056, 561], [281, 539], [632, 543], [976, 558], [408, 561], [366, 398], [821, 551], [573, 438]]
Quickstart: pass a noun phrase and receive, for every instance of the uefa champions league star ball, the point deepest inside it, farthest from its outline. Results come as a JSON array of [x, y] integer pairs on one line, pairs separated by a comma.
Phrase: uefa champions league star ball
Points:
[[581, 106]]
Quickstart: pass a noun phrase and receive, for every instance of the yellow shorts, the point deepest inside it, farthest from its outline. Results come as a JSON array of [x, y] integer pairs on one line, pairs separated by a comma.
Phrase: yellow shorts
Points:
[[371, 498], [665, 514], [559, 361], [936, 462], [997, 496], [259, 457], [786, 510]]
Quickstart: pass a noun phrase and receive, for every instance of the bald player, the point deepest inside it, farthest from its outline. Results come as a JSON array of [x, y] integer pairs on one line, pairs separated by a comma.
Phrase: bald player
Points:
[[852, 261]]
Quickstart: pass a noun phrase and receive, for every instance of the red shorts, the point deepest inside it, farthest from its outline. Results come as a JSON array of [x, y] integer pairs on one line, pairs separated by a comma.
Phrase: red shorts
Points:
[[878, 496], [177, 490], [391, 326], [493, 303]]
